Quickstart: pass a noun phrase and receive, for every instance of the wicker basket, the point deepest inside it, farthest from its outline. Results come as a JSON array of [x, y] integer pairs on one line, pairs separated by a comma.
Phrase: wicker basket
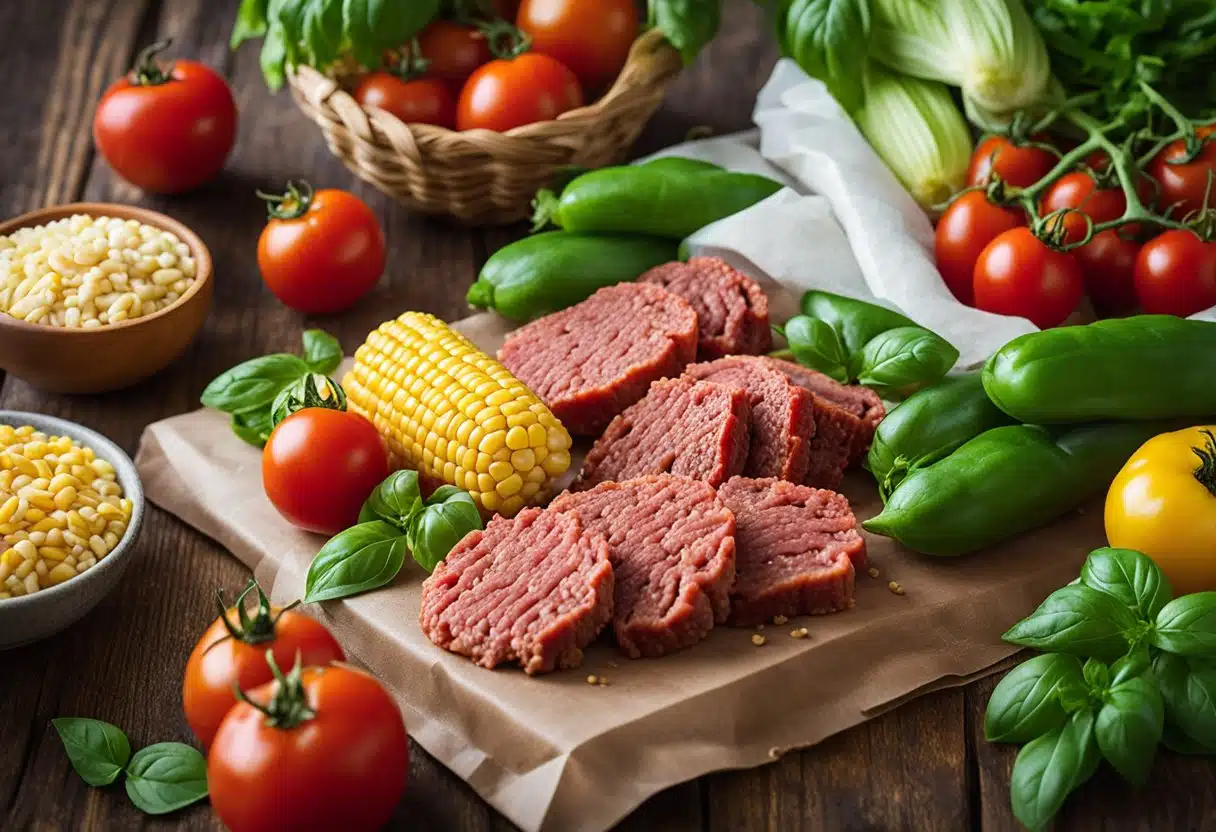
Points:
[[480, 177]]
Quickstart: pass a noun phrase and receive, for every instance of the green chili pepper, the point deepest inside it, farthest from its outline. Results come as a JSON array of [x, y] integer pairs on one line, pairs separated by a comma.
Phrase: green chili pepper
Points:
[[663, 200], [682, 163], [1143, 367], [1006, 481], [547, 272], [929, 426]]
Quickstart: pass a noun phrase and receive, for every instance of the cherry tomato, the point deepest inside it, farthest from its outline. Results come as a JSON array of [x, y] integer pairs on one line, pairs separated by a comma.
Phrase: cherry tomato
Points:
[[1176, 274], [321, 251], [965, 228], [592, 39], [1078, 190], [334, 756], [233, 651], [1018, 274], [1183, 185], [166, 131], [1020, 165], [1109, 263], [511, 92], [320, 465], [416, 101], [453, 50]]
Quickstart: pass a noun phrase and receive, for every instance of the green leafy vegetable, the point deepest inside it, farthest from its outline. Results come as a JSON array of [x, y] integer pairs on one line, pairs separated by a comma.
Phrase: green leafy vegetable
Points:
[[251, 22], [449, 515], [371, 26], [363, 557], [322, 351], [1188, 688], [1187, 625], [687, 24], [1129, 576], [1097, 677], [828, 39], [397, 500], [311, 390], [1128, 728], [899, 361], [1177, 741], [1050, 767], [1026, 703], [254, 383], [165, 777], [98, 750], [856, 322], [816, 345], [1079, 620]]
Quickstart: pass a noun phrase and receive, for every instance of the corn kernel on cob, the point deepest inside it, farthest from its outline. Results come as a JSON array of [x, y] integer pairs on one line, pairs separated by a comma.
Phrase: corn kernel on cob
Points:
[[455, 414]]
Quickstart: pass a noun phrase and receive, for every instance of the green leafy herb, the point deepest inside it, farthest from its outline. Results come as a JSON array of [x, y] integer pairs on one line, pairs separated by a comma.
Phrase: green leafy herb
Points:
[[254, 383], [311, 390], [449, 515], [1135, 663], [1188, 687], [687, 24], [815, 344], [1076, 619], [396, 501], [1129, 576], [1176, 740], [98, 750], [253, 426], [899, 361], [1187, 625], [855, 321], [1128, 728], [829, 39], [1051, 766], [322, 351], [363, 557], [1097, 677], [250, 22], [371, 26], [165, 777], [1026, 703]]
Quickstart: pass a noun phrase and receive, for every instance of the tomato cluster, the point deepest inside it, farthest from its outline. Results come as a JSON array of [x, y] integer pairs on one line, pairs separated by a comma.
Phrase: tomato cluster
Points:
[[488, 74], [993, 256]]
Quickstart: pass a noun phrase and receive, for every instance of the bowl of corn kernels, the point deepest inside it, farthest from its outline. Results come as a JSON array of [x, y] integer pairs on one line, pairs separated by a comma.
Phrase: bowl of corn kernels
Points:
[[71, 507], [96, 297]]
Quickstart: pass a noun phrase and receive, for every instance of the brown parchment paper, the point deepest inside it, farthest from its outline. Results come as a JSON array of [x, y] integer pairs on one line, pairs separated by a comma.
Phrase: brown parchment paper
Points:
[[555, 753]]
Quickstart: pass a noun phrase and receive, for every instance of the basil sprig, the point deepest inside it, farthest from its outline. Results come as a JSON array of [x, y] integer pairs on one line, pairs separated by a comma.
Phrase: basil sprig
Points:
[[254, 390], [160, 778], [393, 519], [1159, 688]]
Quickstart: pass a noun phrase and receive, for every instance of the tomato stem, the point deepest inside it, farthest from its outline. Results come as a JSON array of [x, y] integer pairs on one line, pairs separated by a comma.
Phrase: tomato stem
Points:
[[251, 630], [506, 41], [147, 71], [288, 706], [1206, 472], [290, 205], [412, 64]]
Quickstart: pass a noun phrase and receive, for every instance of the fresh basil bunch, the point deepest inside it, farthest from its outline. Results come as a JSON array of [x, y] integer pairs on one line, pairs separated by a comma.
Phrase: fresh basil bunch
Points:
[[1159, 687], [393, 519], [159, 779], [261, 392], [856, 342]]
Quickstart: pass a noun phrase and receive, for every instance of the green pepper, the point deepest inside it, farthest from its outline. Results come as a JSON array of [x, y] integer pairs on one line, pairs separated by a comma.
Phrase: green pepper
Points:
[[1006, 481], [855, 321], [663, 200], [1143, 367], [682, 163], [547, 272], [929, 426]]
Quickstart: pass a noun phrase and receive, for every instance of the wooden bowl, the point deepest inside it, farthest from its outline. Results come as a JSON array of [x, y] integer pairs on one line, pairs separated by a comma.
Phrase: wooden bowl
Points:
[[62, 360]]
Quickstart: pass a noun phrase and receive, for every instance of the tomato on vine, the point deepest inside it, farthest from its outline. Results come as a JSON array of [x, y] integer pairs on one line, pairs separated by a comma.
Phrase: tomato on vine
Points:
[[453, 51], [1016, 162], [407, 94], [166, 130], [1019, 274], [1176, 274], [1182, 180], [517, 88], [969, 224]]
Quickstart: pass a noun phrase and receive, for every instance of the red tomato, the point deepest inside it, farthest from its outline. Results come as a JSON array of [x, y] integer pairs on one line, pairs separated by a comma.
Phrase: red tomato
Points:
[[322, 251], [1183, 185], [592, 39], [1078, 190], [511, 92], [1020, 165], [166, 131], [320, 465], [337, 759], [1176, 274], [453, 50], [229, 653], [1109, 263], [1018, 274], [965, 228], [416, 101]]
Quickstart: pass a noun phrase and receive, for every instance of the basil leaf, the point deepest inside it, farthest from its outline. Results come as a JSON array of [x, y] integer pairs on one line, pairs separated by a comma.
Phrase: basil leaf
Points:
[[688, 25], [1131, 577], [1026, 703], [1128, 728], [254, 383], [250, 22], [322, 351], [253, 426], [98, 750], [899, 361], [450, 514], [165, 777], [855, 321], [829, 39], [1176, 740], [273, 57], [1134, 664], [371, 26], [1187, 625], [1048, 768], [363, 557], [396, 500], [1189, 690], [1079, 620], [816, 345], [1097, 676]]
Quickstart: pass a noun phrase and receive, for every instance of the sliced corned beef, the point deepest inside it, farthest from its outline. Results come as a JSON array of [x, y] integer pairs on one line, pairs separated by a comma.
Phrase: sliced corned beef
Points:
[[862, 403]]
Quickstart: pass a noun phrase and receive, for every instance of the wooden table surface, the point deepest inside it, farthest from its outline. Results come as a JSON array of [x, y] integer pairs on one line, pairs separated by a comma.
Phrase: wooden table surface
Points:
[[924, 766]]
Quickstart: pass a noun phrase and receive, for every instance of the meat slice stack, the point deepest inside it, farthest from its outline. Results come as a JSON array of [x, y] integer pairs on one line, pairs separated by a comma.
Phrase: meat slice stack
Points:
[[851, 411]]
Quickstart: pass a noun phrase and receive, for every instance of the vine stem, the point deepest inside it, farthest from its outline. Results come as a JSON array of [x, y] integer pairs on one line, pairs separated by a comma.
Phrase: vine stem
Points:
[[1180, 121]]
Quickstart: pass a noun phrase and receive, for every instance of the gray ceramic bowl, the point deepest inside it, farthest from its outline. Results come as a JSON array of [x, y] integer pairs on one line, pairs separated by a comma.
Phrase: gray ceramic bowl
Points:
[[33, 617]]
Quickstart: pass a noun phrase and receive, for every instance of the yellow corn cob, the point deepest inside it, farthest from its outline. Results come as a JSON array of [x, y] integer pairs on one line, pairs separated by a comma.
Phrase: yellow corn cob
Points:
[[455, 414]]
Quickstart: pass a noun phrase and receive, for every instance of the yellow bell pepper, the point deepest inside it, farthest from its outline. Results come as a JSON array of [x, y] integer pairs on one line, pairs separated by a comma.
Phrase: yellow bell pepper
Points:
[[1163, 503]]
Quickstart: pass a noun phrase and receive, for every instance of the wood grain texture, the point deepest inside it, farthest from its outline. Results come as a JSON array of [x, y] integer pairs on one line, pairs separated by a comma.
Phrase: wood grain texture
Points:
[[920, 767]]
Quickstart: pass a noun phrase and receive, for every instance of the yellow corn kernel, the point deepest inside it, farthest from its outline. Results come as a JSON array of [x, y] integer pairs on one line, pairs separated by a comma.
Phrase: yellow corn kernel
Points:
[[52, 553], [517, 438], [523, 460], [60, 573], [9, 508], [510, 486], [501, 471]]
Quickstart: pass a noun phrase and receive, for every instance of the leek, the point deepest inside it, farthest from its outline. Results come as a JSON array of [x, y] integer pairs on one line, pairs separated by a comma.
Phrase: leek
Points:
[[989, 48], [917, 130]]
